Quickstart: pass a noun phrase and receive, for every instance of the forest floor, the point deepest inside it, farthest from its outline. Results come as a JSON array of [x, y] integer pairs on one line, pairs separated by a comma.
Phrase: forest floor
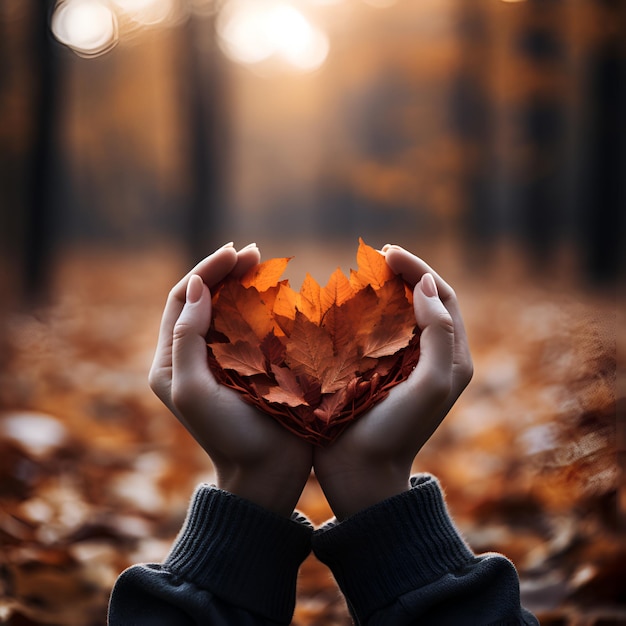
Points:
[[96, 475]]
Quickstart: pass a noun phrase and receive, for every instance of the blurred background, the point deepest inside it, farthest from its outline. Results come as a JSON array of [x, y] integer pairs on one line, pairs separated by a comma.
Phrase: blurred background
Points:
[[136, 136]]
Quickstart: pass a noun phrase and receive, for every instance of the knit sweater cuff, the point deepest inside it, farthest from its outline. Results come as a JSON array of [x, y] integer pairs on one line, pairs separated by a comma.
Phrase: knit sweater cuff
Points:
[[240, 552], [393, 547]]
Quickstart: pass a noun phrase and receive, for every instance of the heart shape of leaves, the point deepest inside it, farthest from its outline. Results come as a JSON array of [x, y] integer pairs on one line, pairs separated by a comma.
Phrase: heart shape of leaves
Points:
[[318, 359]]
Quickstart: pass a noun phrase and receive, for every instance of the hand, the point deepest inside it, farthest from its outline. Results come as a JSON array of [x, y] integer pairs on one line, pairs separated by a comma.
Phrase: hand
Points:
[[254, 457], [372, 459]]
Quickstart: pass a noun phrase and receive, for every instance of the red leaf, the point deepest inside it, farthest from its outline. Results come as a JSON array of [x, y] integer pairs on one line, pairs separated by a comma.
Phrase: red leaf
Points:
[[274, 349], [288, 390], [393, 329], [247, 360], [240, 314], [310, 348]]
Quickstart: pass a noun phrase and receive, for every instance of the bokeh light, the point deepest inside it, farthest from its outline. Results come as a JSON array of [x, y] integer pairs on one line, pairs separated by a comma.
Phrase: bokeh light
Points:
[[380, 4], [147, 12], [89, 27], [251, 33]]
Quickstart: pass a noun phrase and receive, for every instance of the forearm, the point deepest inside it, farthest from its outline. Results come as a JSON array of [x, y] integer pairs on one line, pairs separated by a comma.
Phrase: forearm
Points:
[[403, 561], [232, 563]]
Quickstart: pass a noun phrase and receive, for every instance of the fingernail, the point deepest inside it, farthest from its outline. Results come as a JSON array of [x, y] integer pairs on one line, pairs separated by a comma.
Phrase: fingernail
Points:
[[250, 245], [194, 289], [230, 244], [385, 247], [428, 286]]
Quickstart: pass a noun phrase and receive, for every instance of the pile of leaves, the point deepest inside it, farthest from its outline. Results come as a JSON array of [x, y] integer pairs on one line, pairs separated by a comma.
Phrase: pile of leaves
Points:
[[318, 359]]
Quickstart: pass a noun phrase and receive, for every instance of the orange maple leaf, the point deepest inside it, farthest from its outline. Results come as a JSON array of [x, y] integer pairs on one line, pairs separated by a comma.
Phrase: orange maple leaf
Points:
[[265, 275], [318, 359], [241, 314], [373, 269]]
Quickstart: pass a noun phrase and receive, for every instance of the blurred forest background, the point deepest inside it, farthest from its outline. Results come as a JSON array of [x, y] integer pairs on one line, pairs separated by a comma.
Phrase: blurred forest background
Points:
[[136, 136]]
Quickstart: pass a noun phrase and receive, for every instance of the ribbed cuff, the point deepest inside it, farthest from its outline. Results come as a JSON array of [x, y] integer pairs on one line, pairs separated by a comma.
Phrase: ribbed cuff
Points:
[[393, 547], [242, 553]]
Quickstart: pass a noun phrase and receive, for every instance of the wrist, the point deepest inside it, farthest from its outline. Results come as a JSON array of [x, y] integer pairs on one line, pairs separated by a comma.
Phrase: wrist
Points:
[[276, 488], [350, 490]]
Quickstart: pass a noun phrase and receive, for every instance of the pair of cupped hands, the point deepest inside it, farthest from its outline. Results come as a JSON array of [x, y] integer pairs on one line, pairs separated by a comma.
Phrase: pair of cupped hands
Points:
[[256, 458]]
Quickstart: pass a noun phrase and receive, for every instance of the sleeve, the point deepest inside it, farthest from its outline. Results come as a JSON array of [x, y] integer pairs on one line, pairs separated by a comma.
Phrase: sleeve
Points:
[[233, 563], [402, 561]]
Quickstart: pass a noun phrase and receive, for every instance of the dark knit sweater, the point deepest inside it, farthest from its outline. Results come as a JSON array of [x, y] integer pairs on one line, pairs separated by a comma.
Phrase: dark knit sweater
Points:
[[401, 561]]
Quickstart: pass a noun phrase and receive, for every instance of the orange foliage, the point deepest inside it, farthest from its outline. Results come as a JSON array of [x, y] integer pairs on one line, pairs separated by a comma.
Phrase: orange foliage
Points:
[[318, 359]]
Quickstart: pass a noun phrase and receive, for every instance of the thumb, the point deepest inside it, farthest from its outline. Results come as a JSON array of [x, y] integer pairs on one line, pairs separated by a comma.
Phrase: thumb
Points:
[[190, 373], [434, 368]]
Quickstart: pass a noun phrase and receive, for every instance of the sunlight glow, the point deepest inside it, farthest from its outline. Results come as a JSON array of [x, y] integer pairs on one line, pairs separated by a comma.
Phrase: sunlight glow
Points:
[[380, 4], [89, 27], [241, 29], [254, 32], [147, 12]]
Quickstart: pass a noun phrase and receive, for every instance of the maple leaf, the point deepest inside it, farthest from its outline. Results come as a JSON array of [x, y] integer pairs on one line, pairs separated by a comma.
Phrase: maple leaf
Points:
[[288, 390], [240, 314], [309, 301], [373, 269], [331, 404], [318, 359], [284, 311], [273, 349], [310, 350], [265, 275], [241, 356], [312, 389], [359, 313], [337, 291], [393, 328]]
